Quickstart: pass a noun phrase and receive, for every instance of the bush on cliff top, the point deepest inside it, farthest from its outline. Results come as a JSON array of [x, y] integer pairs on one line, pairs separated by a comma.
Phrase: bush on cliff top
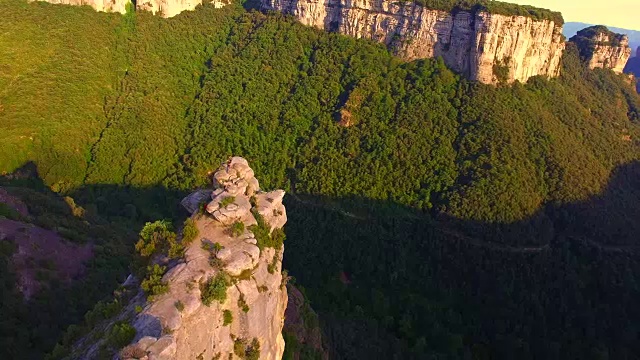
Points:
[[245, 350], [494, 7], [189, 232], [152, 284], [121, 334], [227, 317], [215, 289], [264, 236], [156, 238]]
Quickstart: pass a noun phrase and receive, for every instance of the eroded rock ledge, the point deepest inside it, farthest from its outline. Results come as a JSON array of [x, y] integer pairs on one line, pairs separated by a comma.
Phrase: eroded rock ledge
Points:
[[178, 325]]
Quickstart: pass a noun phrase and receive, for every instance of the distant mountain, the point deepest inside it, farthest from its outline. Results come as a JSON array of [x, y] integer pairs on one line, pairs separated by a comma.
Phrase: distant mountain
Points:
[[571, 28]]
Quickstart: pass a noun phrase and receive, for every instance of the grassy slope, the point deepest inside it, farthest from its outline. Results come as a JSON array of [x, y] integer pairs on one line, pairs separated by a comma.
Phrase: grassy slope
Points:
[[59, 65]]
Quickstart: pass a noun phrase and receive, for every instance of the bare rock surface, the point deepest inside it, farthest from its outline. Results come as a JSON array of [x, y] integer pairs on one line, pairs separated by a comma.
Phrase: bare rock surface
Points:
[[602, 48], [192, 202], [475, 44], [164, 8], [178, 325]]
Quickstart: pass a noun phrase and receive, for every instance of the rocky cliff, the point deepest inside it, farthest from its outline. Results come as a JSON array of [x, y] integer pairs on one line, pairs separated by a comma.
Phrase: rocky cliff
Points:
[[165, 8], [482, 46], [601, 48], [99, 5], [169, 8], [633, 67], [226, 296]]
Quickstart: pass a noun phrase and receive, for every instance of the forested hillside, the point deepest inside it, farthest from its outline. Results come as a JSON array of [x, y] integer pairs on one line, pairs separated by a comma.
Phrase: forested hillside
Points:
[[431, 217]]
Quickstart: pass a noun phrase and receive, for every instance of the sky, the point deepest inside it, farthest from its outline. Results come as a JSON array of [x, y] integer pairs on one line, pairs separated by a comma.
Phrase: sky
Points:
[[618, 13]]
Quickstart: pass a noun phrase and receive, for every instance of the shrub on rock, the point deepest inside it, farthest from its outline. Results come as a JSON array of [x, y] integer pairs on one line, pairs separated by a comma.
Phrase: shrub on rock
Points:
[[214, 289]]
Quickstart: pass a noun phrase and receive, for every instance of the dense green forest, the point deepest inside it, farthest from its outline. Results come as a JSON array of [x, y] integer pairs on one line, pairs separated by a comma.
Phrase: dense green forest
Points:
[[470, 221]]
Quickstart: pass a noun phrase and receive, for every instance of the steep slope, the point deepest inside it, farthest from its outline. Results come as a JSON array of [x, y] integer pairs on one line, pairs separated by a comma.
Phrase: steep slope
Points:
[[226, 294], [601, 48], [483, 46], [571, 28], [57, 259]]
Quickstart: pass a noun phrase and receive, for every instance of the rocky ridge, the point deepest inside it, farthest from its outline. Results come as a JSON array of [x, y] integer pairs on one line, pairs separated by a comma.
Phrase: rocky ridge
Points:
[[164, 8], [178, 324], [482, 46], [601, 48]]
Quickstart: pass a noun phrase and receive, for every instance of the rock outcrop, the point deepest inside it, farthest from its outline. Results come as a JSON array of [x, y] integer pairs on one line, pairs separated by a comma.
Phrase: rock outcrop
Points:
[[302, 327], [165, 8], [633, 68], [601, 48], [482, 46], [236, 250], [99, 5], [170, 8]]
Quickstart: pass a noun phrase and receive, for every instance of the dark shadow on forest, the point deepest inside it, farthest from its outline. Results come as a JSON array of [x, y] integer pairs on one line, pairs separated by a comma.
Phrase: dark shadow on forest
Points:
[[560, 284], [114, 202], [387, 279]]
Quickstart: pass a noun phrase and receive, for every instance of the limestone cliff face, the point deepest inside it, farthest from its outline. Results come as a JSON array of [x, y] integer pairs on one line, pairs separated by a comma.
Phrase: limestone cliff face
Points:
[[165, 8], [601, 48], [170, 8], [178, 324], [481, 46], [99, 5]]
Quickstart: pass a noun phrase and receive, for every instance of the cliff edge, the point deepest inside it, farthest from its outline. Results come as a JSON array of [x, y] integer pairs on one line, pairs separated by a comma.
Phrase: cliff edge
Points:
[[229, 254], [219, 291], [478, 44], [164, 8], [601, 48]]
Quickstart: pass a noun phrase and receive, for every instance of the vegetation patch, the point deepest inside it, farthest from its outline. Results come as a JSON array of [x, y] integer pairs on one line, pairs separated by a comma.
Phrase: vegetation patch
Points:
[[158, 238], [493, 7], [245, 350], [244, 275], [242, 303], [271, 267], [227, 200], [263, 234], [215, 289], [152, 284], [236, 229], [189, 232], [227, 317], [213, 249], [501, 70], [121, 334], [9, 212]]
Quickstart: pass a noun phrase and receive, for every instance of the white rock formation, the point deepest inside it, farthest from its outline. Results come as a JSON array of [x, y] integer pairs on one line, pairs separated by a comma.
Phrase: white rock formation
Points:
[[165, 8], [170, 8], [472, 44], [603, 49], [99, 5], [197, 331]]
